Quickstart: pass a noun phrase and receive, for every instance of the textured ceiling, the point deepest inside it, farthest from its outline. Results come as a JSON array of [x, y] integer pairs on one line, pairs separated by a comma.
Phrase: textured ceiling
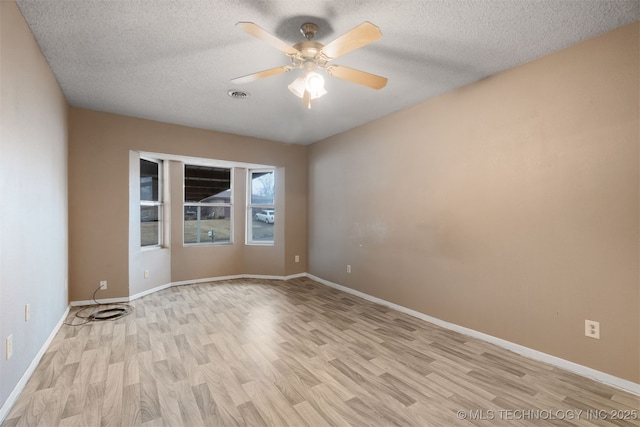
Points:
[[172, 60]]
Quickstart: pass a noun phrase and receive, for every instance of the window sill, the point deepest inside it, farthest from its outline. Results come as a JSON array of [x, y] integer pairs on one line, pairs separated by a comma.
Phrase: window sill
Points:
[[204, 244]]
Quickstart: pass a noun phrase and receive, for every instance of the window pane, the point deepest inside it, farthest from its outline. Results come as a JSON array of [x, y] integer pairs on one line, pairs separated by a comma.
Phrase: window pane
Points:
[[204, 184], [149, 182], [207, 224], [263, 188], [149, 225], [262, 225]]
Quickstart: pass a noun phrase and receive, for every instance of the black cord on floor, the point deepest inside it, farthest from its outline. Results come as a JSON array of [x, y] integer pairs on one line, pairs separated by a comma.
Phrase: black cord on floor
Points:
[[115, 311]]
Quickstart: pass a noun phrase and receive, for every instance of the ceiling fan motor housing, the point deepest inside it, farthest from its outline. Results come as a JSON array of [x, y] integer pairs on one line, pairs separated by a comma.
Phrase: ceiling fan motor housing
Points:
[[308, 51]]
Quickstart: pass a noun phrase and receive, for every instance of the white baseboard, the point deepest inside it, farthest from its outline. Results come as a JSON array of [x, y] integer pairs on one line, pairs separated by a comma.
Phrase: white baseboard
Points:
[[208, 279], [257, 276], [184, 282], [100, 301], [603, 377], [8, 404], [295, 276], [149, 291]]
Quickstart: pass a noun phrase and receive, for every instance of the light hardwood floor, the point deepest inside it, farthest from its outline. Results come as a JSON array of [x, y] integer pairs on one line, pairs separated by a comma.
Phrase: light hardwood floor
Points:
[[296, 353]]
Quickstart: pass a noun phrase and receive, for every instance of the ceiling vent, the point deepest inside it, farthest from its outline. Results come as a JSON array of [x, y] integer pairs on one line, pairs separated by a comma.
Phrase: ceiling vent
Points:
[[237, 94]]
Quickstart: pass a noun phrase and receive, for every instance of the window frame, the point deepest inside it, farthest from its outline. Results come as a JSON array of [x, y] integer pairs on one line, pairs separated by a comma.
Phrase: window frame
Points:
[[159, 203], [249, 240], [200, 205]]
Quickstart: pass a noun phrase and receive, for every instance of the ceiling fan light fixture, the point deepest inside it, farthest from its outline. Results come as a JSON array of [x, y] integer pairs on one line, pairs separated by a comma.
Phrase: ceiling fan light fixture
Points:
[[314, 82], [299, 86]]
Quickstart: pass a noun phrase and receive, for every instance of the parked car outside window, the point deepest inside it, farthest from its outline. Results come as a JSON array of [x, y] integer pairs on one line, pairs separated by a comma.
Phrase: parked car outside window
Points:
[[267, 216]]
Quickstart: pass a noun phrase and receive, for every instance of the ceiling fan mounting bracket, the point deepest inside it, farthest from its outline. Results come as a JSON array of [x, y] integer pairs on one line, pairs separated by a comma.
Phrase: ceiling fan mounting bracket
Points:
[[309, 30]]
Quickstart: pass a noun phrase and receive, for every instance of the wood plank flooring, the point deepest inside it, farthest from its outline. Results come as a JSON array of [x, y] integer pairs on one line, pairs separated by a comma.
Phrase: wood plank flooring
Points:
[[295, 353]]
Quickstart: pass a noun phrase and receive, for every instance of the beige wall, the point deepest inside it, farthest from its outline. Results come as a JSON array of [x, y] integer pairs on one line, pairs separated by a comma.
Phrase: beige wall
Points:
[[102, 147], [509, 206], [33, 198]]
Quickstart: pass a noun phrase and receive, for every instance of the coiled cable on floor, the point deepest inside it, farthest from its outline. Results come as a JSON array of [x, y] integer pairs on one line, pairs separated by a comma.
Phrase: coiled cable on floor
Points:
[[114, 311]]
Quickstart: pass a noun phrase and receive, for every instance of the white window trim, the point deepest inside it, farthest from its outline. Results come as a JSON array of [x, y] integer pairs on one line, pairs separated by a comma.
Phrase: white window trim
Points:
[[249, 209], [159, 203]]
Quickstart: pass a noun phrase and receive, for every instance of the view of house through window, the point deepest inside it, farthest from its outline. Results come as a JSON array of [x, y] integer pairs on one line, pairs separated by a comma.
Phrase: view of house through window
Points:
[[207, 205], [151, 208], [261, 214]]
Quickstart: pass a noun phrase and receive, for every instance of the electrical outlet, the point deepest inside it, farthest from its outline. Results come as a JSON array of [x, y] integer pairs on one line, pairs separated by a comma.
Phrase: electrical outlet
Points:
[[592, 329], [146, 274], [9, 347], [27, 312], [297, 258], [348, 268], [103, 285]]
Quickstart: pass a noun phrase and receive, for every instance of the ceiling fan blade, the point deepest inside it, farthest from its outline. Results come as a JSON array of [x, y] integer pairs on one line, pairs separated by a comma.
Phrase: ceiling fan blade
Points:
[[260, 75], [262, 34], [357, 76], [361, 35]]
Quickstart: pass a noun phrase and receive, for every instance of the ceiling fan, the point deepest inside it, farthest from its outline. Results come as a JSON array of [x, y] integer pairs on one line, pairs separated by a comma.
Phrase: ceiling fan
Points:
[[311, 56]]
